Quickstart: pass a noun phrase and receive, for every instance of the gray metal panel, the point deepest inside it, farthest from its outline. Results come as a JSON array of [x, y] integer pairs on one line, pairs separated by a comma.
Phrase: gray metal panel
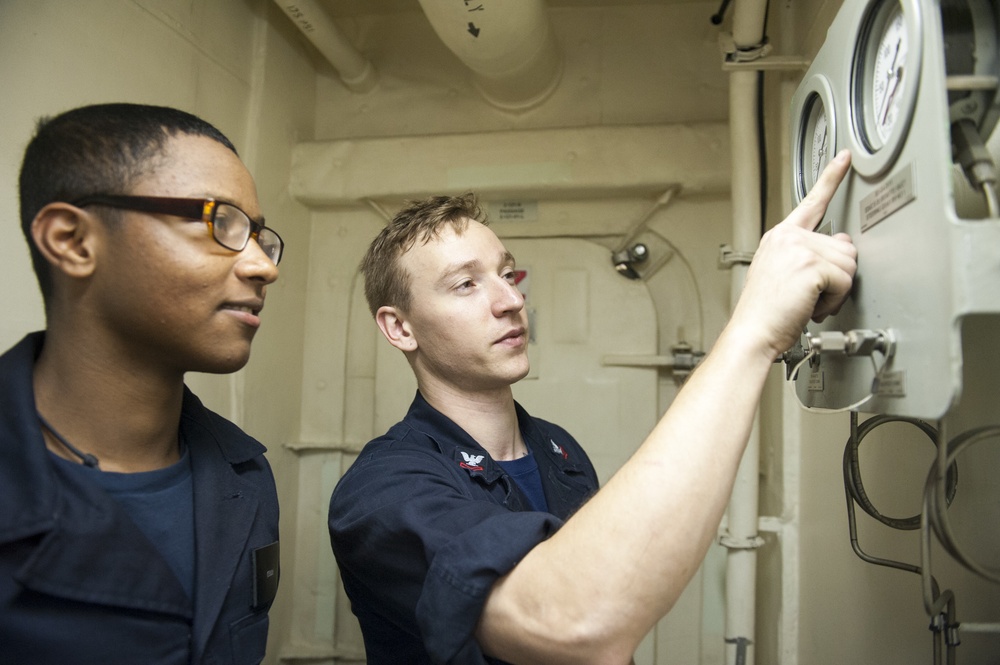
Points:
[[920, 268]]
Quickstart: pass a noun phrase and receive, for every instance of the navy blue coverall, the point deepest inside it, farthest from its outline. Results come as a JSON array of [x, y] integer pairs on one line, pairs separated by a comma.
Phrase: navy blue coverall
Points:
[[425, 522], [80, 583]]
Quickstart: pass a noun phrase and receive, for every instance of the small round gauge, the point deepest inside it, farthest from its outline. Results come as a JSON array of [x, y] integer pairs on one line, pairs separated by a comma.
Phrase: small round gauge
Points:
[[816, 142], [815, 139], [885, 77]]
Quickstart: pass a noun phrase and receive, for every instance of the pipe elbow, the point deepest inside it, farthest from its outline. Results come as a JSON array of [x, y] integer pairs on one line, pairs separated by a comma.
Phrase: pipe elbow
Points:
[[511, 51]]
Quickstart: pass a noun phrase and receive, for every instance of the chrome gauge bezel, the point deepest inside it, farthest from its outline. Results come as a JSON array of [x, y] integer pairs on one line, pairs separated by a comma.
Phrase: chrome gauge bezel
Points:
[[817, 104], [875, 151]]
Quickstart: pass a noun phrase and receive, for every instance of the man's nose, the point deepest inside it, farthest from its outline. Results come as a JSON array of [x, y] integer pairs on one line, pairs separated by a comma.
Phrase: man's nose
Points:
[[507, 299], [255, 264]]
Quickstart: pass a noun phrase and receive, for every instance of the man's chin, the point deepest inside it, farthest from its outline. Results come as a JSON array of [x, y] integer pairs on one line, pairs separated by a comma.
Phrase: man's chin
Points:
[[521, 373], [226, 365]]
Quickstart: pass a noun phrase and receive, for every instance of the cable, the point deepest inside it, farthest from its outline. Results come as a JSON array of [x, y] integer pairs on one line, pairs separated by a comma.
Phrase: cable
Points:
[[852, 343], [937, 497], [940, 607], [762, 148], [855, 491], [694, 284], [852, 468], [970, 152], [720, 15], [992, 205]]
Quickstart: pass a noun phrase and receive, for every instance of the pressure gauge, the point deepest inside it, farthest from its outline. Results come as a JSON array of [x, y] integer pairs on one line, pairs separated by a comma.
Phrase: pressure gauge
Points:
[[888, 74], [885, 79], [815, 137]]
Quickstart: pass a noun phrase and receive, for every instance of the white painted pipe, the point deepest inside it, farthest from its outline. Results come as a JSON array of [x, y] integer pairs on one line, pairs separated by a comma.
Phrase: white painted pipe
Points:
[[355, 70], [748, 22], [743, 513], [509, 46], [741, 557]]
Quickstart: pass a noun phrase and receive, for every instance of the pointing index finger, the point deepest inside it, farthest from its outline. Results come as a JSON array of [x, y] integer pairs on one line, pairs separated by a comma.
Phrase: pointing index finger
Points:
[[810, 211]]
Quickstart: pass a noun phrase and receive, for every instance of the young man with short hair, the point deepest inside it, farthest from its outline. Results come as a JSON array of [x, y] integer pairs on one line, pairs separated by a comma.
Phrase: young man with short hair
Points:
[[451, 552], [136, 526]]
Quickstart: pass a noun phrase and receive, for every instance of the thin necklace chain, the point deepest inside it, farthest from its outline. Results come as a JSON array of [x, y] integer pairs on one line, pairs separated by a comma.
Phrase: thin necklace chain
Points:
[[87, 458]]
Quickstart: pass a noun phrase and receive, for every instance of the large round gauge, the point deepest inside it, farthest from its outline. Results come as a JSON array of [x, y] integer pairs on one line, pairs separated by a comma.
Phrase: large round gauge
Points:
[[888, 75], [885, 78], [815, 137]]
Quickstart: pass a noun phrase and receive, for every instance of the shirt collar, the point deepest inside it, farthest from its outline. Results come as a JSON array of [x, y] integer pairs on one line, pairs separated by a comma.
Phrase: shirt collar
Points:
[[457, 444]]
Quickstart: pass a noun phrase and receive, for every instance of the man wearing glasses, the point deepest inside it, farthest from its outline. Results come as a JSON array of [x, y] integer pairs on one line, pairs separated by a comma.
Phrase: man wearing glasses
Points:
[[136, 526]]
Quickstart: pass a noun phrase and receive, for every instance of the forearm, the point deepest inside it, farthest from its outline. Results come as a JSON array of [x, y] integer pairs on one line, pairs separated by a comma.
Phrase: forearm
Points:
[[624, 558], [594, 589]]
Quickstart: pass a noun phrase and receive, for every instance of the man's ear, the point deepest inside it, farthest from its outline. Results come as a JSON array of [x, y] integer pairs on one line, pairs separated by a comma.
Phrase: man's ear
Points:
[[395, 328], [65, 236]]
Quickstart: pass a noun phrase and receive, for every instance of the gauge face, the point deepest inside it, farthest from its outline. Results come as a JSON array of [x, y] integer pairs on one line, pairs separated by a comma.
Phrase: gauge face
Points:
[[885, 78], [816, 142], [814, 135], [881, 74], [889, 72]]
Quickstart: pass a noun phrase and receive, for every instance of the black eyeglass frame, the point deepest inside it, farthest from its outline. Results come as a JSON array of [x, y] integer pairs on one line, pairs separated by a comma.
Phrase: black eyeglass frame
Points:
[[203, 210]]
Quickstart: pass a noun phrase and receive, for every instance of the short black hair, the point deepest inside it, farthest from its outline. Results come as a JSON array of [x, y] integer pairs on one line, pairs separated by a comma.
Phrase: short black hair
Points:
[[96, 149]]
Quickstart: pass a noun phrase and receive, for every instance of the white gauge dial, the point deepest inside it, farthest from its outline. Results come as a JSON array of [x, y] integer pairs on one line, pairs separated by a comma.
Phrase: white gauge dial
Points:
[[814, 133], [889, 77], [819, 152], [814, 142], [885, 79]]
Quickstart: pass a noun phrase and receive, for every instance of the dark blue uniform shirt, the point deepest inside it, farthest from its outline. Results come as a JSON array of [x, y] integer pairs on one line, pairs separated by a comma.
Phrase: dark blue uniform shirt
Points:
[[425, 522], [80, 583]]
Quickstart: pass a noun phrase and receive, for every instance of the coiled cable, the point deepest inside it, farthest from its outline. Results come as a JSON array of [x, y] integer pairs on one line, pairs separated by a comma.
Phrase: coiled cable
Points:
[[855, 490], [940, 607], [937, 497]]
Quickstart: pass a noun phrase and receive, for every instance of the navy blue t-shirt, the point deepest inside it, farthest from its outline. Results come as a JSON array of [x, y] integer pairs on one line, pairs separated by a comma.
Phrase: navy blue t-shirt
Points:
[[161, 503], [524, 471]]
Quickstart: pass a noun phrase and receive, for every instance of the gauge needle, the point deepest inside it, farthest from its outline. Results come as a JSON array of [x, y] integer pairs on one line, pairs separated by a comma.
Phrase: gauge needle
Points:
[[820, 155], [887, 102], [895, 73]]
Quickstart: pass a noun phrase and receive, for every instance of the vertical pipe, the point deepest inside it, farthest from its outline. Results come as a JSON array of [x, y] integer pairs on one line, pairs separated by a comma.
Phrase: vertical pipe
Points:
[[742, 538], [741, 557]]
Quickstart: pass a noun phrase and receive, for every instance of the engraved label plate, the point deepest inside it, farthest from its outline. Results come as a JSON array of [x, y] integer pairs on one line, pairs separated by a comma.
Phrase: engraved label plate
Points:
[[892, 384], [889, 197], [816, 381], [513, 211]]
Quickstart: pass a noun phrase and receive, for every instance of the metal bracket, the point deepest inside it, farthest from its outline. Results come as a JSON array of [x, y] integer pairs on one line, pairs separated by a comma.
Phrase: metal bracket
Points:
[[685, 359], [728, 257], [732, 543], [757, 57], [741, 648], [734, 53]]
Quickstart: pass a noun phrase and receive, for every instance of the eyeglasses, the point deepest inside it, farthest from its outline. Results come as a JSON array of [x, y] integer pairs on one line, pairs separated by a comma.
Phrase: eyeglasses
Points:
[[231, 227]]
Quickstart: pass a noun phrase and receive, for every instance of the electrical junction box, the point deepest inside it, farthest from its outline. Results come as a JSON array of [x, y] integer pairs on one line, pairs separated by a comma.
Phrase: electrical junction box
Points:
[[894, 80]]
